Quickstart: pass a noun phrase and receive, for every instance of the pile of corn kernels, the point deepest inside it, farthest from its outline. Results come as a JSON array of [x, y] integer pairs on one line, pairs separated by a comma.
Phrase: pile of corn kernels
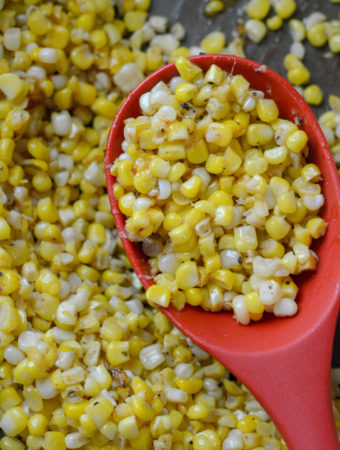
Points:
[[84, 361]]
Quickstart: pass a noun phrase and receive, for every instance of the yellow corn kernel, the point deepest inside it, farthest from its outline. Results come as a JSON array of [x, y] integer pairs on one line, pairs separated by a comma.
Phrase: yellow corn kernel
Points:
[[11, 85], [193, 296], [297, 29], [171, 152], [253, 303], [284, 8], [239, 85], [5, 230], [117, 353], [259, 134], [181, 234], [104, 107], [302, 235], [276, 155], [213, 7], [37, 425], [221, 198], [9, 398], [298, 75], [274, 22], [316, 34], [271, 248], [128, 427], [297, 141], [159, 295], [54, 440], [214, 42], [8, 443], [317, 227], [193, 217], [277, 227], [14, 421], [258, 9], [126, 203], [198, 153], [198, 411], [313, 94], [141, 408], [214, 75], [267, 110], [191, 187], [187, 275], [212, 263], [248, 424], [177, 170], [287, 202], [186, 92], [9, 282], [191, 386], [245, 238], [220, 134], [334, 43], [187, 69], [206, 439]]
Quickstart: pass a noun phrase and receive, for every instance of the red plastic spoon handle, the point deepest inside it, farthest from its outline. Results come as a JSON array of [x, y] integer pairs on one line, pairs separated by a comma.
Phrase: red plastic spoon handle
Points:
[[295, 389]]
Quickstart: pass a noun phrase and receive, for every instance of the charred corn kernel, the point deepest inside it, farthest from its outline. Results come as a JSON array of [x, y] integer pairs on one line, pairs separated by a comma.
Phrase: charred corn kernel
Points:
[[14, 421], [54, 440], [267, 110], [186, 92], [277, 227], [313, 94], [259, 134], [117, 353], [298, 75], [317, 227], [285, 8], [192, 186], [159, 295], [214, 42], [187, 69], [253, 303], [297, 141]]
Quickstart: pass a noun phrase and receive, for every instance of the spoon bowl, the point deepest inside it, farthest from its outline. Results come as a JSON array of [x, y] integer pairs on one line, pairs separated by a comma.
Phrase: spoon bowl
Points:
[[285, 362]]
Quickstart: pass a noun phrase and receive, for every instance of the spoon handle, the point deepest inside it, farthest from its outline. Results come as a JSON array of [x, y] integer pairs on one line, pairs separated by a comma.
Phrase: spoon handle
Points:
[[293, 385]]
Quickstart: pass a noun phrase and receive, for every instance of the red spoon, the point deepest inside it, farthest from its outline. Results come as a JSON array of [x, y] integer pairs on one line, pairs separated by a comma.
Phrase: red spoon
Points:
[[284, 362]]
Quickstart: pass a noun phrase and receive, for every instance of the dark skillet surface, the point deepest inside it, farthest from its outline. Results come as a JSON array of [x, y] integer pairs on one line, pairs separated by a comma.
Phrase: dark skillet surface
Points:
[[271, 51]]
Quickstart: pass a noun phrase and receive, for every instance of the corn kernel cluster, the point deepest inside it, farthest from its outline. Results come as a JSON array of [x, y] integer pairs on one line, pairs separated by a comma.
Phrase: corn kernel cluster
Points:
[[216, 187], [84, 361]]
